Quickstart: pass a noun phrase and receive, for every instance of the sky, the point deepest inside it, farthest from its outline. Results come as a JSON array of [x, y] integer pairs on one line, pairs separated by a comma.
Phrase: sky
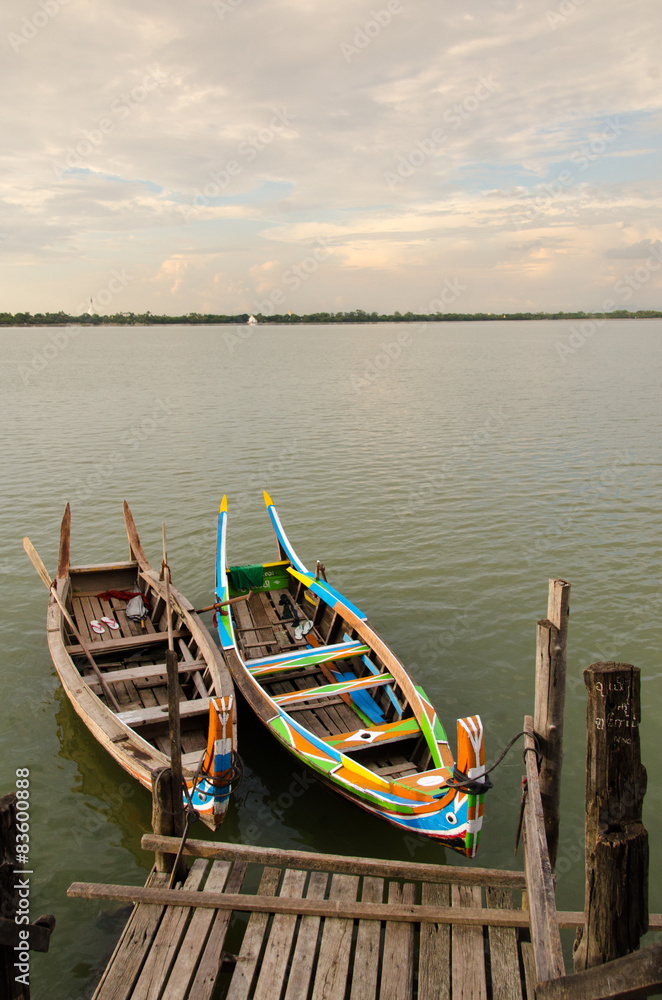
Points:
[[233, 156]]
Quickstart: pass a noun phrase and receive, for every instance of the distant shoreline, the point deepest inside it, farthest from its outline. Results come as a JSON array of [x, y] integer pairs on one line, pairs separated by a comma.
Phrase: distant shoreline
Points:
[[318, 319]]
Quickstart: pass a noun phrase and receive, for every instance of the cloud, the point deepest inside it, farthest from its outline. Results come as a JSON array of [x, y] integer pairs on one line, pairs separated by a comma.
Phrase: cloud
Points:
[[232, 135]]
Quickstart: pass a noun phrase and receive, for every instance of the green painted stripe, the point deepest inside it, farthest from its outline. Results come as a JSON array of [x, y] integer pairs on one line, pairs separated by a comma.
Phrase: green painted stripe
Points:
[[406, 726], [341, 687], [313, 658]]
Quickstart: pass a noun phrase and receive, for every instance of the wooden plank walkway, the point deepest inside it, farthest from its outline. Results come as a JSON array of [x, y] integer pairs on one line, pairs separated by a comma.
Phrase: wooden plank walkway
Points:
[[200, 952]]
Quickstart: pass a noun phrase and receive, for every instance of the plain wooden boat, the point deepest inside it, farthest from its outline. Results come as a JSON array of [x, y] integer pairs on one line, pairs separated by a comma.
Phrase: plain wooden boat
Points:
[[331, 691], [124, 703]]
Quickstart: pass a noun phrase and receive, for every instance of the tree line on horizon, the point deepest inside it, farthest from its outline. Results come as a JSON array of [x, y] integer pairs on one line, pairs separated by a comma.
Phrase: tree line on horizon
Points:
[[355, 316]]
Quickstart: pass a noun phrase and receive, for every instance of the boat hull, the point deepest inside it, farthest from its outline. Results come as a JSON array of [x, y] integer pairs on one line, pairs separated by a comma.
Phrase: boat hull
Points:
[[394, 761], [121, 693]]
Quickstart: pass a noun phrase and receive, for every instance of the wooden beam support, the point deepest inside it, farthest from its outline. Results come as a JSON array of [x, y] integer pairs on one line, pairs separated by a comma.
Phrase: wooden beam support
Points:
[[347, 909], [551, 645], [545, 935], [337, 863], [630, 978], [616, 897]]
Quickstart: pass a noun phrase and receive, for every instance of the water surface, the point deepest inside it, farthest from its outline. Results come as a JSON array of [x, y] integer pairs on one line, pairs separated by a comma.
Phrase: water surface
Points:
[[442, 477]]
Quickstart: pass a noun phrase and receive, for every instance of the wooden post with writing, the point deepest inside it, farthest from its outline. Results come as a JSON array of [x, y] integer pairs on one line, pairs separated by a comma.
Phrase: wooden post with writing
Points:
[[551, 646], [616, 897]]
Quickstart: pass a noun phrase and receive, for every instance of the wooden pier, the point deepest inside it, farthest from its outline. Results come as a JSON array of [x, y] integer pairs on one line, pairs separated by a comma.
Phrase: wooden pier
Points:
[[317, 926], [252, 923]]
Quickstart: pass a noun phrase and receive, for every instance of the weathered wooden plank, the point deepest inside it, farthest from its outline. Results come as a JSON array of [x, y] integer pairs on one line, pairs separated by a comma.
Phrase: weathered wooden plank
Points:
[[151, 671], [193, 944], [251, 946], [468, 949], [551, 643], [366, 955], [131, 950], [339, 863], [468, 916], [529, 963], [504, 959], [166, 942], [301, 969], [545, 935], [434, 965], [630, 978], [274, 961], [333, 962], [205, 977], [133, 642], [398, 960], [159, 713]]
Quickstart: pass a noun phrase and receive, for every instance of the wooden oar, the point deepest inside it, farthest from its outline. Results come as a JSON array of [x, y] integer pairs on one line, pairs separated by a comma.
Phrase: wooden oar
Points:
[[65, 535], [43, 573], [174, 724], [222, 604], [165, 576]]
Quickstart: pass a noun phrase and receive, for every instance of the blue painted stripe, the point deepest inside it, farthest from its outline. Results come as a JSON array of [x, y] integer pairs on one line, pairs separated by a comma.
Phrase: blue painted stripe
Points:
[[332, 596], [223, 622], [284, 540], [328, 750]]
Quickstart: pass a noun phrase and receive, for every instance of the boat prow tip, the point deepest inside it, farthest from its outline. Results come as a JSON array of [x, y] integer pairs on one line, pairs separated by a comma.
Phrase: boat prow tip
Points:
[[267, 499], [223, 509]]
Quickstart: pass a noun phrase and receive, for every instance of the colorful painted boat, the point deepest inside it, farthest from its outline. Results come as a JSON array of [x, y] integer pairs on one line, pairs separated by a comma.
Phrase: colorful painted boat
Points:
[[120, 613], [331, 691]]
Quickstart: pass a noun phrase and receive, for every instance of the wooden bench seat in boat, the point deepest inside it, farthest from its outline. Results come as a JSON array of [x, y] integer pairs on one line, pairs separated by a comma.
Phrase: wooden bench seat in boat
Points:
[[130, 642], [305, 657], [324, 690], [148, 672], [159, 713], [389, 732]]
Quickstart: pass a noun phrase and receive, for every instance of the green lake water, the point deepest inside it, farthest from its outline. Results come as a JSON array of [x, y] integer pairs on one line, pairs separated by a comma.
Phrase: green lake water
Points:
[[442, 472]]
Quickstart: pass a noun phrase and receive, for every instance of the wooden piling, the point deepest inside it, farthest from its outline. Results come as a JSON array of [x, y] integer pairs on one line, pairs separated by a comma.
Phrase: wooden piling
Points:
[[551, 645], [162, 814], [616, 899]]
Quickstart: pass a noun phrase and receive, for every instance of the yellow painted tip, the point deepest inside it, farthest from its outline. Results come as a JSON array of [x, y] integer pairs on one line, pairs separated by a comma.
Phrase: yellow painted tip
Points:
[[224, 505], [267, 499]]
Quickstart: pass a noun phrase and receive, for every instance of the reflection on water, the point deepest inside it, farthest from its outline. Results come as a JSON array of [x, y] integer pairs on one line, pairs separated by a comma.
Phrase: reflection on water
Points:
[[441, 493]]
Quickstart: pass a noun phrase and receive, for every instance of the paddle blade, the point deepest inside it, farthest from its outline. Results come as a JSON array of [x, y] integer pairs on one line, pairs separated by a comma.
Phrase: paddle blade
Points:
[[65, 536], [36, 562]]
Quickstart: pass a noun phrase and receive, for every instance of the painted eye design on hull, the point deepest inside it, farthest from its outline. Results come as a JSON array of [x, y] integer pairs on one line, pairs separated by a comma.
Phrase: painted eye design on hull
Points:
[[451, 818]]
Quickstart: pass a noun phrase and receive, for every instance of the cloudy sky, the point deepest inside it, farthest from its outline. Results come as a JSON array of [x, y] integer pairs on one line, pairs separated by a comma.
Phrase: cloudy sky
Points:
[[276, 155]]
